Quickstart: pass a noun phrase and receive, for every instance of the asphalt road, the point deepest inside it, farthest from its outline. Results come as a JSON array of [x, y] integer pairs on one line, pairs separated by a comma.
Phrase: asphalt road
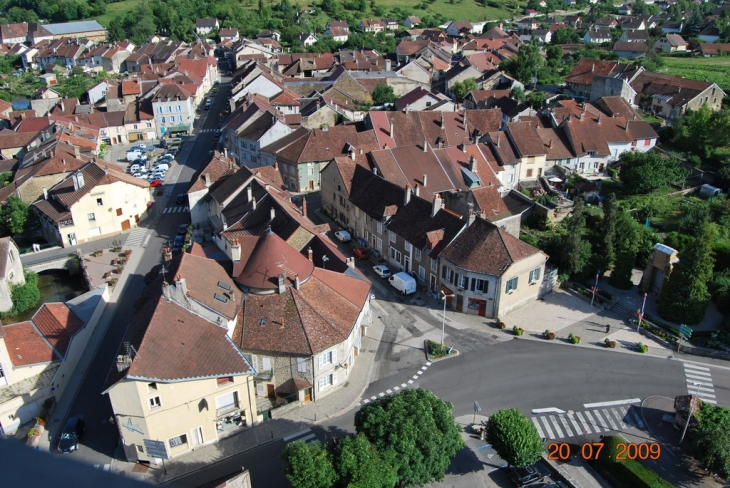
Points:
[[102, 437]]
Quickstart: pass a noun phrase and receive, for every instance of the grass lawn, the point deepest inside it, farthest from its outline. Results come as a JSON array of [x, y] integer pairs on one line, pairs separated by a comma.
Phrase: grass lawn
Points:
[[713, 70], [116, 9]]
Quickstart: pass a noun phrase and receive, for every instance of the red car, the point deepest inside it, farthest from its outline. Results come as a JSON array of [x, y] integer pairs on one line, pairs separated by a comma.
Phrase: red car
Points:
[[361, 252], [155, 183]]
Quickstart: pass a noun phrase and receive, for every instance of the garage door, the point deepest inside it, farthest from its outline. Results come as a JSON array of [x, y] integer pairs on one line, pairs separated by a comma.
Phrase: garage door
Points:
[[96, 231]]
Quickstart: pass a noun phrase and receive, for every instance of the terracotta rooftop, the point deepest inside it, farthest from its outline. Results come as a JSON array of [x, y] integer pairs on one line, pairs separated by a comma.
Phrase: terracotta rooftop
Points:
[[26, 346], [58, 324]]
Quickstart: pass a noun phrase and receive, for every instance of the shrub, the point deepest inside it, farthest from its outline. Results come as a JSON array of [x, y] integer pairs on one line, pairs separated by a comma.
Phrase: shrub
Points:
[[609, 343], [25, 296], [40, 420], [548, 335], [518, 330], [33, 433], [625, 473], [437, 349], [574, 339], [642, 347]]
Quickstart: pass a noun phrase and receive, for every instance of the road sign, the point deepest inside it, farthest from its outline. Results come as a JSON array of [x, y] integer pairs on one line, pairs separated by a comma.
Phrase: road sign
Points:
[[685, 331], [155, 449], [477, 408]]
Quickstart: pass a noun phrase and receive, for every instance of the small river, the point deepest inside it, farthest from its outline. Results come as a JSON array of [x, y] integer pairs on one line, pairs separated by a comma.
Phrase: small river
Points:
[[55, 286]]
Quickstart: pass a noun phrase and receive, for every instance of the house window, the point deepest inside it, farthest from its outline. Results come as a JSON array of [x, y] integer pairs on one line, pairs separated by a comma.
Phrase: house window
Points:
[[591, 154], [224, 380], [149, 124], [155, 403], [421, 273], [480, 286], [378, 244], [151, 387], [169, 108], [159, 111], [327, 381], [391, 236], [380, 227], [266, 364], [226, 403], [327, 358], [162, 120], [140, 449], [461, 281], [302, 365], [119, 212], [529, 173], [99, 202], [395, 255], [179, 108], [511, 285], [418, 254], [179, 440], [509, 178], [408, 247], [534, 275], [91, 217], [647, 142], [447, 274], [134, 126], [255, 362], [434, 265]]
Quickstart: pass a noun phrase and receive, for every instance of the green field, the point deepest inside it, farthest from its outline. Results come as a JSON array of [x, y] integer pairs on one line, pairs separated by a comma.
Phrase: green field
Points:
[[713, 70], [459, 10], [116, 9]]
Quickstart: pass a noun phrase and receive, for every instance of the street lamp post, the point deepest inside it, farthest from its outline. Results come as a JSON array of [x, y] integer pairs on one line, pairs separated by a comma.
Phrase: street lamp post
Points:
[[691, 408], [443, 318]]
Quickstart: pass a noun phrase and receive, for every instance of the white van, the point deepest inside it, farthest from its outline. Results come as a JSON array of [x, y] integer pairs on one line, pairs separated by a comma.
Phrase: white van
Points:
[[162, 167], [134, 155], [403, 282], [208, 103]]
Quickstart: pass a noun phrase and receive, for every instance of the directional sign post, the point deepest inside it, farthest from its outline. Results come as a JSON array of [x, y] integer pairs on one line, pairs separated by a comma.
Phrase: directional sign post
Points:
[[156, 449], [477, 408], [685, 331]]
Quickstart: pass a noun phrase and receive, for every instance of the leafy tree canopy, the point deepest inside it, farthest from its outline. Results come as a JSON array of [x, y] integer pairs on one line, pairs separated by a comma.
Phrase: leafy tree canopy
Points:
[[308, 465], [645, 172], [711, 438], [462, 88], [514, 437], [358, 463], [13, 216], [418, 428], [383, 94]]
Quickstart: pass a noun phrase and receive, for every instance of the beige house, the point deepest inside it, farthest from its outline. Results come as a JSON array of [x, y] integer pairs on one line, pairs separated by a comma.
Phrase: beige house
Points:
[[489, 272], [529, 148], [11, 271], [92, 202], [178, 379]]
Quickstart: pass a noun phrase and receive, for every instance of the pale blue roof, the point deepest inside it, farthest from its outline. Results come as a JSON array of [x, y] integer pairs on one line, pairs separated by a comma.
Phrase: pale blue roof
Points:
[[73, 27]]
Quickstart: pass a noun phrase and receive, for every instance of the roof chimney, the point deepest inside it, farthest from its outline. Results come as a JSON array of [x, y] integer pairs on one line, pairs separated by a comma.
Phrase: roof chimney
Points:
[[273, 213], [45, 193], [253, 203], [391, 129], [235, 250], [425, 180], [207, 179], [296, 282], [417, 190], [225, 152], [78, 180], [77, 152], [425, 146], [181, 285], [249, 194], [599, 119], [472, 216], [304, 207], [407, 195], [375, 170], [443, 125], [282, 283], [310, 254], [473, 164], [436, 205]]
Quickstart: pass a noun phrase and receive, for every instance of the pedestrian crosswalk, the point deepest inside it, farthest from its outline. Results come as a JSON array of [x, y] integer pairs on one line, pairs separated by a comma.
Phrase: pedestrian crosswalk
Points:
[[305, 435], [204, 131], [103, 467], [699, 382], [169, 210], [136, 237], [562, 425]]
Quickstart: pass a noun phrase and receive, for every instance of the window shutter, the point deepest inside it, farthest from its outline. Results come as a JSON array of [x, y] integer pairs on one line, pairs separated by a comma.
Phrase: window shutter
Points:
[[260, 389], [334, 379], [456, 279], [321, 361], [443, 272], [255, 362], [473, 284], [267, 364], [334, 356]]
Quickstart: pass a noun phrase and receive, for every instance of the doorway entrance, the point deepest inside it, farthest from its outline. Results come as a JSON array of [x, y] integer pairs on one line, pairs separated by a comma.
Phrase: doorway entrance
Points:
[[72, 239], [270, 391]]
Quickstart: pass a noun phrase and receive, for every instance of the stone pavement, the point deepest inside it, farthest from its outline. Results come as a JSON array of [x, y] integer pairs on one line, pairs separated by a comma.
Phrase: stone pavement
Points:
[[336, 403]]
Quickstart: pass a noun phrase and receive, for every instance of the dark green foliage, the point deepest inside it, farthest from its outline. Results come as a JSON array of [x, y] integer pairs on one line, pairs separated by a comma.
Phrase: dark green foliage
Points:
[[536, 100], [308, 465], [418, 428], [630, 472], [608, 247], [528, 62], [576, 251], [711, 438], [462, 88], [25, 296], [565, 35], [514, 437], [115, 31], [13, 216], [383, 93], [684, 295], [678, 241], [720, 290], [626, 244], [359, 464], [644, 172]]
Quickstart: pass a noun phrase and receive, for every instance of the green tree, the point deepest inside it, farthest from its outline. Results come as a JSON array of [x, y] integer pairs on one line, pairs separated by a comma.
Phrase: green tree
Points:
[[308, 465], [417, 431], [529, 61], [462, 88], [383, 94], [645, 172], [358, 463], [720, 290], [17, 14], [626, 236], [514, 438], [711, 438], [535, 99], [565, 35], [27, 295], [518, 93], [684, 295], [576, 251], [13, 216], [115, 31]]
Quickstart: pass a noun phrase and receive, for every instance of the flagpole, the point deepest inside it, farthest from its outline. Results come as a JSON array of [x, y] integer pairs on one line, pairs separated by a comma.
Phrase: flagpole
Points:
[[595, 288]]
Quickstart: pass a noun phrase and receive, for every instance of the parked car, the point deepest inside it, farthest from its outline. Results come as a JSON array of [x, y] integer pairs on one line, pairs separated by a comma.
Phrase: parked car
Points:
[[182, 229], [134, 168], [179, 241], [342, 235], [361, 252], [217, 132], [137, 174], [173, 151], [382, 270], [180, 198], [71, 434], [528, 474]]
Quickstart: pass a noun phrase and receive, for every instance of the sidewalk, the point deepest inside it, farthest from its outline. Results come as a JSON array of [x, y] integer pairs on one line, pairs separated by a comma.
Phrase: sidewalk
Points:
[[336, 403], [63, 404]]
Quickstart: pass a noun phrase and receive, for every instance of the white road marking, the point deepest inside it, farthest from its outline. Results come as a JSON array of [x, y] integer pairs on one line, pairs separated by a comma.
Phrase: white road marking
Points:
[[611, 403]]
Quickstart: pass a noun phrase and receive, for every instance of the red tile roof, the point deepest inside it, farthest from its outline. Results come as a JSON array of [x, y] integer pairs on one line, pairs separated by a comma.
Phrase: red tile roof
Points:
[[58, 324], [26, 346]]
